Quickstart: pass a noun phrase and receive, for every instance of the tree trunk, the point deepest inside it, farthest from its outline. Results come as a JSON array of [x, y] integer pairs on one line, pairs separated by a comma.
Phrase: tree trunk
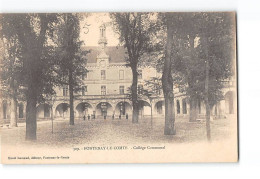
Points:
[[31, 125], [193, 109], [207, 102], [167, 83], [13, 115], [31, 96], [134, 96], [71, 98], [13, 111], [151, 111]]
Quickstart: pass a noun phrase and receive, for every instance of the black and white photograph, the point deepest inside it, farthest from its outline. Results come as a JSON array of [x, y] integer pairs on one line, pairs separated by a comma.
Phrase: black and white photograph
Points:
[[115, 84]]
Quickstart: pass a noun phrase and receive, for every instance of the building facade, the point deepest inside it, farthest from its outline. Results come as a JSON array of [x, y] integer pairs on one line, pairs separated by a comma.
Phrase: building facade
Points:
[[106, 88]]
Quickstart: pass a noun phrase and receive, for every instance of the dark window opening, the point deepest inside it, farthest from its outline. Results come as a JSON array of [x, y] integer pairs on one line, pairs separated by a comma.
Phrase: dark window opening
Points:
[[65, 91], [184, 106], [4, 110], [140, 74], [140, 89], [103, 90], [178, 107], [20, 111], [84, 90], [121, 90], [103, 74], [46, 110]]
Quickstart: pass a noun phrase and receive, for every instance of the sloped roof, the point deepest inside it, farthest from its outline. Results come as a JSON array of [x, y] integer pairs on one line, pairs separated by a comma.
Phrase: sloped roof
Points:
[[116, 54]]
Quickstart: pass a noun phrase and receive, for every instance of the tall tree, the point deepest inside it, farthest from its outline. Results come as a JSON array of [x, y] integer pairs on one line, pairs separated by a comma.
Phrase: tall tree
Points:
[[217, 45], [31, 33], [152, 90], [72, 64], [204, 57], [9, 69], [134, 31], [167, 80]]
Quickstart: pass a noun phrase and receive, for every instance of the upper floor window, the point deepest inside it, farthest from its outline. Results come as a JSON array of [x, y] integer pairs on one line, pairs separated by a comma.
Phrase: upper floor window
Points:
[[140, 89], [158, 91], [103, 90], [121, 89], [121, 74], [140, 74], [84, 76], [103, 74], [84, 90], [65, 90]]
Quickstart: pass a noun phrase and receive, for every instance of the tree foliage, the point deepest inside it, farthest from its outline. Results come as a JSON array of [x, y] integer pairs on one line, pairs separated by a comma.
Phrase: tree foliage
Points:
[[135, 31], [28, 55], [189, 51], [69, 52], [34, 62]]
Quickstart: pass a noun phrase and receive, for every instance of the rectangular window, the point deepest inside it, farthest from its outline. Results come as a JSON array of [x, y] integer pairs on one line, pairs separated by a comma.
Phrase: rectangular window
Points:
[[158, 91], [20, 109], [140, 89], [178, 107], [140, 74], [103, 74], [184, 106], [84, 90], [65, 91], [84, 76], [121, 90], [103, 90], [121, 74]]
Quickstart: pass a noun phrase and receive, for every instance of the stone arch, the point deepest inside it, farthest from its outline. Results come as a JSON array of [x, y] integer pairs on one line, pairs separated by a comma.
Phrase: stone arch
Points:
[[83, 108], [159, 107], [104, 109], [184, 106], [62, 110], [5, 109], [178, 106], [144, 107], [123, 108], [21, 110], [43, 111], [229, 102]]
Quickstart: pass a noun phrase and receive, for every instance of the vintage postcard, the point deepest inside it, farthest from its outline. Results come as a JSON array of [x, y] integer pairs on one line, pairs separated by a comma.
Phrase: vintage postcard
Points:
[[133, 87]]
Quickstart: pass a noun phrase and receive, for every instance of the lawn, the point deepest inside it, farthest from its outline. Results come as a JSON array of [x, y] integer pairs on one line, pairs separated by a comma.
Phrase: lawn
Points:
[[104, 132]]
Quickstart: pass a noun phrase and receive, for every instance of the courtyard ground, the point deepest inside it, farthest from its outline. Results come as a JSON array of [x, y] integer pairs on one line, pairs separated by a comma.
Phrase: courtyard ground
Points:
[[115, 131]]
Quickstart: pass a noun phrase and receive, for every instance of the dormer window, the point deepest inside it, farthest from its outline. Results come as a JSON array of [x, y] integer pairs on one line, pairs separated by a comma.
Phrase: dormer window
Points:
[[102, 63], [103, 74]]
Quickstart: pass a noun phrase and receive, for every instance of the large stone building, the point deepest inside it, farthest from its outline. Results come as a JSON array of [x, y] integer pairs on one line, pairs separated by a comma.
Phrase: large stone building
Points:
[[105, 90]]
